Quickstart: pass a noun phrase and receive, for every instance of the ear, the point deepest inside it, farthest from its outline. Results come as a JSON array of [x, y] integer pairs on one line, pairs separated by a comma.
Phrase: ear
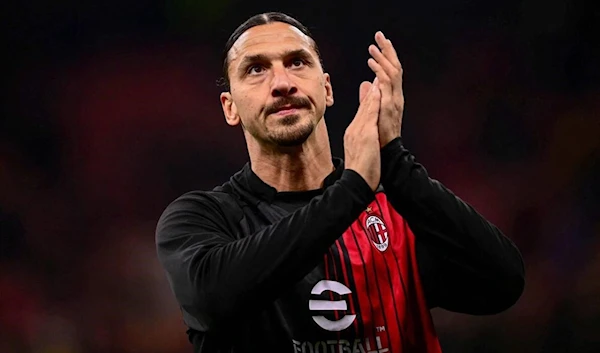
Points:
[[229, 109], [328, 90]]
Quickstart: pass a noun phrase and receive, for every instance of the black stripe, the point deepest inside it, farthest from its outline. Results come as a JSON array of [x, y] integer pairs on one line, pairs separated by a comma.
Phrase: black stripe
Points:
[[387, 331], [413, 307], [362, 260], [402, 337], [400, 327], [332, 268], [333, 276], [327, 269], [346, 258]]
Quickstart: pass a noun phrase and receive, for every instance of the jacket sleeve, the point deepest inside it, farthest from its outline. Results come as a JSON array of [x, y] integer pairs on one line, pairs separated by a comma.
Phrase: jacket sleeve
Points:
[[465, 262], [219, 278]]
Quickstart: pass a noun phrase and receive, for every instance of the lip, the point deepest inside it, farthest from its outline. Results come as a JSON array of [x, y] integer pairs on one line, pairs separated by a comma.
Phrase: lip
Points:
[[286, 111]]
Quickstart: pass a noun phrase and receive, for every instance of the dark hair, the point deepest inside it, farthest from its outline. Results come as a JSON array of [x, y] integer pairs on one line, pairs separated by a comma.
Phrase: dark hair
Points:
[[257, 20]]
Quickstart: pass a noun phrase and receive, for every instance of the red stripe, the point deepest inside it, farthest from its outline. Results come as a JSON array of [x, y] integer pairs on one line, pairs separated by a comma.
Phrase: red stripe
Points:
[[386, 288], [382, 285], [389, 273], [329, 278], [360, 284], [335, 278], [335, 313], [347, 283], [399, 301], [367, 249], [413, 312]]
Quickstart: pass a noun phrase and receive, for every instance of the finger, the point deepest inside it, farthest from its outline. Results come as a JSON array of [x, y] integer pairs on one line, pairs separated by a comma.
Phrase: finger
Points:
[[372, 97], [383, 61], [383, 79], [374, 105], [394, 78], [363, 90], [387, 48], [369, 87]]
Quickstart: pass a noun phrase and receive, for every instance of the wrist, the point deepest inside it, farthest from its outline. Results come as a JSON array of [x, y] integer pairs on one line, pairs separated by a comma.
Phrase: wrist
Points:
[[391, 141]]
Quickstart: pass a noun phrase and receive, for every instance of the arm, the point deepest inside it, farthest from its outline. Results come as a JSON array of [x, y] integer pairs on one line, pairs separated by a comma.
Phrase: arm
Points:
[[218, 279], [467, 265]]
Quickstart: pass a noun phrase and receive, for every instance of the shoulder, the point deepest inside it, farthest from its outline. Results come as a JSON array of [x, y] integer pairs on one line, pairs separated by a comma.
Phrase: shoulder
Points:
[[217, 208], [221, 199], [202, 200]]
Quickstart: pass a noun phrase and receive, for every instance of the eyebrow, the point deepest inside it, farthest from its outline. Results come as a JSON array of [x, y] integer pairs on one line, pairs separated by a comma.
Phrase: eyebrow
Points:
[[257, 58]]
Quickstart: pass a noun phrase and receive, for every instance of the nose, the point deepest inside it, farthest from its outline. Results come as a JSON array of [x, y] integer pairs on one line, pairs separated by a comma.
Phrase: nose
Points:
[[282, 84]]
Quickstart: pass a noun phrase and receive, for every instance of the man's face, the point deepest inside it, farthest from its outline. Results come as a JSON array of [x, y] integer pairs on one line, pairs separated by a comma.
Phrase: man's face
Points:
[[278, 89]]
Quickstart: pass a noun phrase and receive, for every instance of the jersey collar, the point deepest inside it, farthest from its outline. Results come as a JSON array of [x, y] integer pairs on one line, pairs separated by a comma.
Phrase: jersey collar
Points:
[[252, 183]]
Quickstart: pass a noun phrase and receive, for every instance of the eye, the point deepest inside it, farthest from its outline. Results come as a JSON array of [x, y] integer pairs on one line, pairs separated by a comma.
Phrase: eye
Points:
[[255, 69], [296, 63]]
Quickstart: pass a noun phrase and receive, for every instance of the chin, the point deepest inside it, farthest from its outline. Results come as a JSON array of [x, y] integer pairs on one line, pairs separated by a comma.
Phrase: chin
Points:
[[290, 120], [294, 135]]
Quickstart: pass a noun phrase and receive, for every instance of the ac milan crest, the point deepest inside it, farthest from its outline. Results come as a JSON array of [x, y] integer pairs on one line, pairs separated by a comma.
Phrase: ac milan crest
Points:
[[377, 233]]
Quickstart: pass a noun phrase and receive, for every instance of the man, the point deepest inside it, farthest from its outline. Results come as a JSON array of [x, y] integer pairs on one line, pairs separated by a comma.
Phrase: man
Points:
[[303, 252]]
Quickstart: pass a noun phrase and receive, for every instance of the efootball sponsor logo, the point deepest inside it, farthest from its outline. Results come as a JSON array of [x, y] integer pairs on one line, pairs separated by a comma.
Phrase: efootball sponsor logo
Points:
[[341, 346], [357, 345], [324, 305]]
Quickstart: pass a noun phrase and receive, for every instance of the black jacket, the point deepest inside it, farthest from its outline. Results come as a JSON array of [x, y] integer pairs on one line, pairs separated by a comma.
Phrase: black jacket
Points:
[[242, 259]]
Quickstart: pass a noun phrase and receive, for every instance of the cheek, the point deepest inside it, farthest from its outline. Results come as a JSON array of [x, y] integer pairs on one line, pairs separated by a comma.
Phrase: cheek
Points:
[[248, 108], [320, 96]]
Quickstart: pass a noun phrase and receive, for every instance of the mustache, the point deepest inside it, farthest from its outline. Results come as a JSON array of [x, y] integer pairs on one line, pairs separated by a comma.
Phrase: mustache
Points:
[[294, 102]]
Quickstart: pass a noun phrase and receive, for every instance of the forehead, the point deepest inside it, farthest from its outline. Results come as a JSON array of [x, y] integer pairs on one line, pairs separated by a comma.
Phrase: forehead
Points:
[[272, 37]]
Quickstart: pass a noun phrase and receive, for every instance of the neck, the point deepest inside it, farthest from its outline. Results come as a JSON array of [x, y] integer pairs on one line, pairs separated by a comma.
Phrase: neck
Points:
[[297, 168]]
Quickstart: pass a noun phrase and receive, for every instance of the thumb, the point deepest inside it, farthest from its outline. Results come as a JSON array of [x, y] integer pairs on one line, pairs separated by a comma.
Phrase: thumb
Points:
[[363, 90]]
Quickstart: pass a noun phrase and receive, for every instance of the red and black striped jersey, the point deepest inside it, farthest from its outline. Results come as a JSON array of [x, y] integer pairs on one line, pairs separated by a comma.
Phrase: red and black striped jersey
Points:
[[339, 269]]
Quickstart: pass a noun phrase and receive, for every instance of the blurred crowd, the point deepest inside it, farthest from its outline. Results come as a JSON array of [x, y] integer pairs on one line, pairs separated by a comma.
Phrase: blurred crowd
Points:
[[93, 149]]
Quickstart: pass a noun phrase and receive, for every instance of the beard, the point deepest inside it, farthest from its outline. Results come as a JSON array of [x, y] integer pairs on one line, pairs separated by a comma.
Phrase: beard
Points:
[[291, 131]]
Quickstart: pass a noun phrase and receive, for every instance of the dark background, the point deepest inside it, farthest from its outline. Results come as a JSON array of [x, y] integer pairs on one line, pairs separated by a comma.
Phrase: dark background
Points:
[[110, 111]]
